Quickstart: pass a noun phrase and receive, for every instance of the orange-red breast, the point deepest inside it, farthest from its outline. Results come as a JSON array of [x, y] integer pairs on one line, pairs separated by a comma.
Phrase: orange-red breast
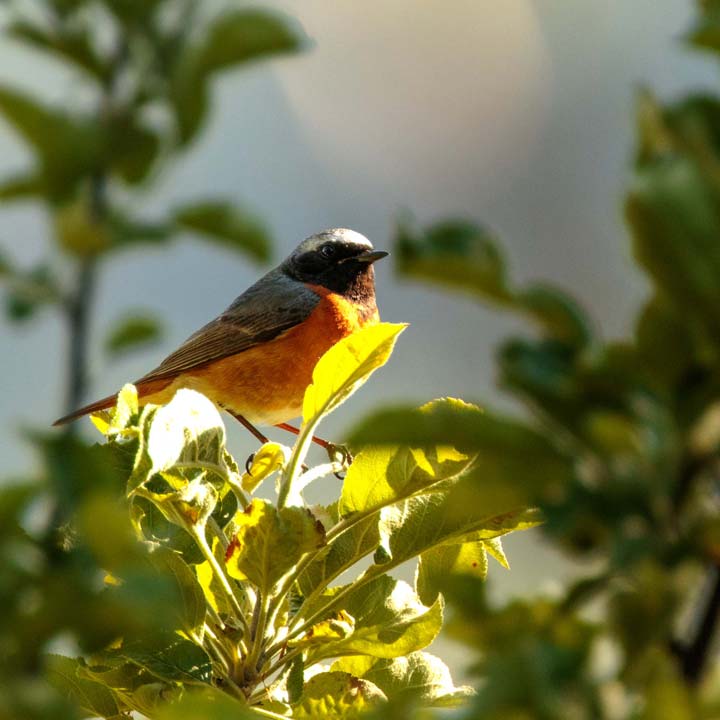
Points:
[[256, 359]]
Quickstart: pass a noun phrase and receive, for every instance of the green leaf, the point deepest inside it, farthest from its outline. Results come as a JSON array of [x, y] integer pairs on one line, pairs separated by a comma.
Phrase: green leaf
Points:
[[457, 512], [30, 291], [206, 704], [665, 343], [382, 476], [266, 460], [68, 148], [66, 8], [235, 37], [243, 35], [134, 687], [557, 313], [128, 231], [420, 677], [211, 584], [222, 223], [346, 366], [62, 673], [6, 267], [407, 529], [458, 254], [22, 186], [706, 32], [438, 564], [390, 621], [189, 94], [345, 550], [131, 148], [188, 429], [170, 657], [124, 414], [336, 696], [675, 219], [270, 541], [495, 548], [134, 13], [71, 43], [78, 229], [296, 679], [191, 607], [131, 333], [498, 442]]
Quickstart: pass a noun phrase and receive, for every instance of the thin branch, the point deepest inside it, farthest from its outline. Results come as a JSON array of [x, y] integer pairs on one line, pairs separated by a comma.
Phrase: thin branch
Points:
[[694, 656], [77, 316]]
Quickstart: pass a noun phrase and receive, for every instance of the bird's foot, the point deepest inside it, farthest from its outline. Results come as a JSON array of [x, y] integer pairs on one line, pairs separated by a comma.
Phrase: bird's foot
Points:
[[341, 455]]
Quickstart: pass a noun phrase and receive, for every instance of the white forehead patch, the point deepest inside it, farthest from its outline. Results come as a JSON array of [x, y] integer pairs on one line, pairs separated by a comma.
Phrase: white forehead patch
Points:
[[339, 235]]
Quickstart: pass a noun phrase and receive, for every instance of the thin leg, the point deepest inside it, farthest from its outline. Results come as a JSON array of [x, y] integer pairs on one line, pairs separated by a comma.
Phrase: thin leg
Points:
[[249, 426], [317, 440], [332, 449]]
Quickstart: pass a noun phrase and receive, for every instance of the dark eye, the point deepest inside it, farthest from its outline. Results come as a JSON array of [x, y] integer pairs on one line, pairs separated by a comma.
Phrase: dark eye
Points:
[[327, 251]]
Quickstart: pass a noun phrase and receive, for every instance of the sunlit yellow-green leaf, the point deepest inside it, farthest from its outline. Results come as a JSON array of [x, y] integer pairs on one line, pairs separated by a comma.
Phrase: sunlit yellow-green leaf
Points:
[[438, 564], [77, 230], [188, 428], [210, 583], [267, 459], [389, 621], [380, 476], [336, 696], [337, 627], [125, 409], [346, 366], [270, 541], [405, 531], [419, 677], [494, 547]]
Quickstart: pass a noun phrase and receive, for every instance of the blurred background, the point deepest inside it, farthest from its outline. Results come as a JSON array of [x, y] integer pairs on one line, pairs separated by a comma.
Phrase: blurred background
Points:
[[516, 115]]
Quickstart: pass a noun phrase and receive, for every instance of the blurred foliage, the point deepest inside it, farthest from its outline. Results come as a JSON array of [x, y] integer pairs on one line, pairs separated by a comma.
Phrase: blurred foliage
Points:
[[142, 73], [187, 598], [620, 448]]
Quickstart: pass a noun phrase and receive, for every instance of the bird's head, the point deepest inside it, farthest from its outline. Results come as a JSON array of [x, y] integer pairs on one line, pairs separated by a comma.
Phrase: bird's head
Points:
[[339, 260]]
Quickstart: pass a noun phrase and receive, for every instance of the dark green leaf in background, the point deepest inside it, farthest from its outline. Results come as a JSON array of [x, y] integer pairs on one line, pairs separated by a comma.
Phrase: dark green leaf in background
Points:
[[68, 147], [133, 332], [22, 186], [243, 35], [72, 44], [225, 225], [458, 254]]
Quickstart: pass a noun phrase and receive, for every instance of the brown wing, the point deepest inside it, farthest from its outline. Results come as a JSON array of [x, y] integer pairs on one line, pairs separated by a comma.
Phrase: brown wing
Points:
[[273, 305]]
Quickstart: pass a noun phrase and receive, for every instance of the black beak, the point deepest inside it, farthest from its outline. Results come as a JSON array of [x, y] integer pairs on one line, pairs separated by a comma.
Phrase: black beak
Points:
[[370, 257]]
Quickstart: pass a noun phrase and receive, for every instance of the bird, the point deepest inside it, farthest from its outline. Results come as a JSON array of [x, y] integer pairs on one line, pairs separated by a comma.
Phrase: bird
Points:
[[255, 360]]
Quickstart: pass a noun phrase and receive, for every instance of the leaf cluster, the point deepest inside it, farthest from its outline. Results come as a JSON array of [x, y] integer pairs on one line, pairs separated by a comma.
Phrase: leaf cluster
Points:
[[620, 448], [271, 607]]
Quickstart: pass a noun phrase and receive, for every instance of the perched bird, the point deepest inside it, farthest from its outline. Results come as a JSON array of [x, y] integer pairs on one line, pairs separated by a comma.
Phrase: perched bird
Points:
[[256, 359]]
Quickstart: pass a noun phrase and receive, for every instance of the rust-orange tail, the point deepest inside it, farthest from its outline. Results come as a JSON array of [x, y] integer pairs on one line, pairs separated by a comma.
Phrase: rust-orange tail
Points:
[[144, 390], [103, 404]]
